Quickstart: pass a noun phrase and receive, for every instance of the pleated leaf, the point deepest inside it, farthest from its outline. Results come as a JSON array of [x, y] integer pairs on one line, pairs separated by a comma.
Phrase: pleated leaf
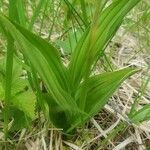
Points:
[[99, 89], [49, 52], [96, 38], [42, 66]]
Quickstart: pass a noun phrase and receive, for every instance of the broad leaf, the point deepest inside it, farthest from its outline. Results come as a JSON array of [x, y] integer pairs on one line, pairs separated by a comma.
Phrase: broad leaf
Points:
[[44, 68], [99, 89], [49, 52], [94, 40], [25, 102]]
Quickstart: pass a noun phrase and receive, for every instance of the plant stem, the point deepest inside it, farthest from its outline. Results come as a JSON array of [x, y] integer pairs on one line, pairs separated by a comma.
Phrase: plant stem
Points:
[[140, 94], [9, 66]]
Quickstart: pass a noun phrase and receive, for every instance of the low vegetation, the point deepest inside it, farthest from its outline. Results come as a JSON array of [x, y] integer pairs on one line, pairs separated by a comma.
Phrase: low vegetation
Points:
[[54, 82]]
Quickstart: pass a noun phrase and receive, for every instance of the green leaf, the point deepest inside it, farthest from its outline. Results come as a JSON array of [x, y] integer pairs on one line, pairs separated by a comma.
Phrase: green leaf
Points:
[[73, 96], [1, 92], [99, 89], [56, 114], [141, 115], [25, 102], [20, 119], [49, 52], [38, 59], [93, 42], [23, 109], [19, 83]]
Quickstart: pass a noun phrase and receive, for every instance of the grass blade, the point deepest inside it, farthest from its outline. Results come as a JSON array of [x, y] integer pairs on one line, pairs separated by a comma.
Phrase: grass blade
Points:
[[36, 13], [141, 115]]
